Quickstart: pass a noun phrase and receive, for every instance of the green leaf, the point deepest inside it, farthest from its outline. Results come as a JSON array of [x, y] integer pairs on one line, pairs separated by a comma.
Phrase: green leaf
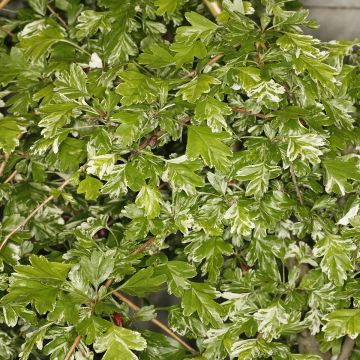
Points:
[[200, 299], [39, 6], [212, 111], [202, 142], [271, 320], [336, 253], [258, 176], [338, 172], [90, 186], [129, 130], [212, 252], [177, 273], [156, 56], [101, 165], [321, 73], [267, 93], [186, 53], [92, 328], [37, 39], [167, 6], [201, 28], [143, 282], [198, 86], [162, 346], [180, 172], [116, 182], [298, 42], [137, 88], [38, 283], [306, 146], [149, 199], [97, 268], [250, 349], [71, 154], [33, 338], [73, 83], [342, 322], [13, 66], [241, 220], [248, 77], [338, 110], [9, 134], [118, 341], [89, 22]]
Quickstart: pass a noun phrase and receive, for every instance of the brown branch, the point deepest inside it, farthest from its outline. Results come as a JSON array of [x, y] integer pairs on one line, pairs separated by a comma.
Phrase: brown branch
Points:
[[3, 164], [3, 3], [31, 215], [58, 17], [73, 347], [308, 344], [346, 349], [297, 189], [213, 7], [10, 177], [156, 322], [151, 140]]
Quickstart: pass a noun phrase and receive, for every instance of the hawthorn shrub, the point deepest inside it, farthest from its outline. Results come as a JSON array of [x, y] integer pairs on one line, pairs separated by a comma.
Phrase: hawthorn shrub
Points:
[[205, 148]]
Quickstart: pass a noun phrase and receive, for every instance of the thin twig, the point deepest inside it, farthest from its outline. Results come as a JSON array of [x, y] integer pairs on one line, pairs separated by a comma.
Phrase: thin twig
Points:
[[151, 139], [10, 177], [32, 214], [73, 347], [346, 349], [144, 246], [155, 321], [297, 189], [212, 61], [213, 7], [3, 3], [3, 164], [57, 16]]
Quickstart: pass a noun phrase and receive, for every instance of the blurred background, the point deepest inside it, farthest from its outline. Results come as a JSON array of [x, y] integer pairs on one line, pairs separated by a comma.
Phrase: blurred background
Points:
[[339, 19]]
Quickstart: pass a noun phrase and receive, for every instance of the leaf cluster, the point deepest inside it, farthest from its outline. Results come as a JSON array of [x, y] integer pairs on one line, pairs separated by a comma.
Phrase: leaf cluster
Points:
[[148, 147]]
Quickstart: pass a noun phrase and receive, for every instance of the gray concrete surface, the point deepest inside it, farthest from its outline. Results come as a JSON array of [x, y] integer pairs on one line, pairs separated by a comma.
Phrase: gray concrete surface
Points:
[[339, 19]]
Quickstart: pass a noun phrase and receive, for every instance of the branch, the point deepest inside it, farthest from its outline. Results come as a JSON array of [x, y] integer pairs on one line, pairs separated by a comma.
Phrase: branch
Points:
[[151, 140], [3, 164], [58, 17], [156, 322], [10, 177], [32, 214], [73, 347], [3, 3], [346, 349], [297, 189]]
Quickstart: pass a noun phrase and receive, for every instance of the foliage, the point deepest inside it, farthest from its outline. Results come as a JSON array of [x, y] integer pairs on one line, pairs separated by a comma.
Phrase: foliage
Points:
[[163, 150]]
